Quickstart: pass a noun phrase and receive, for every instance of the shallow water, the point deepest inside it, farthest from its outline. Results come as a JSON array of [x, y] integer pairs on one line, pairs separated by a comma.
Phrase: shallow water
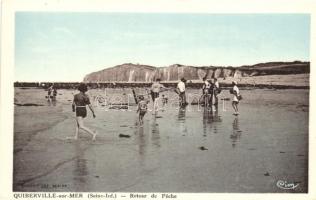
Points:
[[181, 150]]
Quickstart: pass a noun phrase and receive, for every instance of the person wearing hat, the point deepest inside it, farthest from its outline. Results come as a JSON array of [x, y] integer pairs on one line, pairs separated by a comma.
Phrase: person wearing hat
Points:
[[181, 88], [236, 97]]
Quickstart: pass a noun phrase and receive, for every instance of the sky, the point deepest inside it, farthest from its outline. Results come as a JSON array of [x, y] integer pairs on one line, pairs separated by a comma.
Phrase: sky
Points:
[[66, 46]]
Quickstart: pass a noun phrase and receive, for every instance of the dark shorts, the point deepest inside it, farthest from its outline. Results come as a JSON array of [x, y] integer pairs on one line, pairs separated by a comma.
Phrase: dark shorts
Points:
[[81, 112], [154, 95], [142, 112]]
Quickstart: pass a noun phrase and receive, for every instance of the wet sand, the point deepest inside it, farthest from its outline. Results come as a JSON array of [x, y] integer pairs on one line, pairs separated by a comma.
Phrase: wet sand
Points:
[[191, 150]]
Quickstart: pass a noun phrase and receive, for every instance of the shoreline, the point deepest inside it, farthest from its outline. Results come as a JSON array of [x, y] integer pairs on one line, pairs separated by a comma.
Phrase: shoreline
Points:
[[292, 81], [189, 86]]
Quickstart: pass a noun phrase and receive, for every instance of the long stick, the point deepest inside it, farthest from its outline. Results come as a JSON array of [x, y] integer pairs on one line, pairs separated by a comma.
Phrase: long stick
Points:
[[135, 97]]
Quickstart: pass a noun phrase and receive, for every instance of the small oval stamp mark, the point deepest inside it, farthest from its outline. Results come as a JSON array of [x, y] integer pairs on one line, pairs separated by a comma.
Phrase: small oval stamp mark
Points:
[[286, 185]]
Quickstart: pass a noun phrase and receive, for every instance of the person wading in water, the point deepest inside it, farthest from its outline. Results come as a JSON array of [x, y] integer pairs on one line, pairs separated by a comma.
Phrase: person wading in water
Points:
[[217, 91], [206, 90], [182, 97], [236, 97], [81, 100], [156, 88]]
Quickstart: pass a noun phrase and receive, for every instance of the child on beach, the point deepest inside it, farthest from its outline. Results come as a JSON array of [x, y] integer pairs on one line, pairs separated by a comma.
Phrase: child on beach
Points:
[[142, 109], [79, 106]]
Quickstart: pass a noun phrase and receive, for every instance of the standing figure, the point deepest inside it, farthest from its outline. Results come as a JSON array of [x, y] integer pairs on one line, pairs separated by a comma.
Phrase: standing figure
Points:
[[181, 88], [155, 90], [211, 93], [164, 102], [141, 109], [79, 106], [236, 97], [206, 91], [216, 91], [49, 93], [54, 93]]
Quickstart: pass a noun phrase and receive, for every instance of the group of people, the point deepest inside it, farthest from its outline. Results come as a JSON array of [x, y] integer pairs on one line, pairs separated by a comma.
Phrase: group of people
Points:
[[210, 92]]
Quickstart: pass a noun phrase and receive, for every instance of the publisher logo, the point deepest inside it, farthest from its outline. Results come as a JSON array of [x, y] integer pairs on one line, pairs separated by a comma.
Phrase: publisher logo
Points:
[[286, 185]]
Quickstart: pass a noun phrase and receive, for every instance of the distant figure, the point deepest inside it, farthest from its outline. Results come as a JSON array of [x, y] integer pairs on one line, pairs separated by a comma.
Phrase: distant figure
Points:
[[181, 89], [211, 92], [142, 109], [155, 90], [148, 94], [164, 100], [236, 135], [49, 92], [206, 92], [236, 97], [216, 91], [183, 126], [54, 93], [79, 106]]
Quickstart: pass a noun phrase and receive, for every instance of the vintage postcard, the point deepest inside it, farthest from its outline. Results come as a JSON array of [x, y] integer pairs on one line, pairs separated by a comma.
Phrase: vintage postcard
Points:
[[106, 100]]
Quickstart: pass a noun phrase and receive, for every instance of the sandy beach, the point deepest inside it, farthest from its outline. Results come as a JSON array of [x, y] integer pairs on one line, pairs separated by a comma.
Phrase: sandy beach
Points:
[[181, 150]]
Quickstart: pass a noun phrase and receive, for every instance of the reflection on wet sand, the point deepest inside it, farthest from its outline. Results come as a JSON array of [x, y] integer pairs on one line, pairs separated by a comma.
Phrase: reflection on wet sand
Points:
[[80, 170], [210, 121], [155, 136], [141, 140], [235, 136], [216, 119], [157, 157], [142, 135], [142, 146], [181, 121], [207, 115], [52, 102]]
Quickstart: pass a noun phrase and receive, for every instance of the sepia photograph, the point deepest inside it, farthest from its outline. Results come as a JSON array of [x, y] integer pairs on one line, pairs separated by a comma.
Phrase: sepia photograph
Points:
[[132, 102], [142, 103]]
